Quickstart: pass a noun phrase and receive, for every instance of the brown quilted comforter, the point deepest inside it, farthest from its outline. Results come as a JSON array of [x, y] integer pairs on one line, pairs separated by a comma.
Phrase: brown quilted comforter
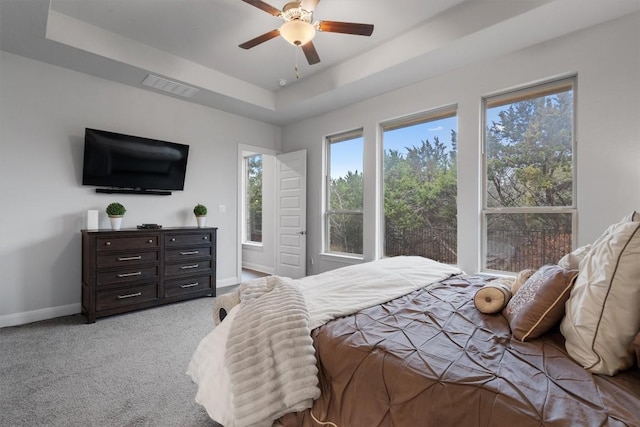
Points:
[[431, 359]]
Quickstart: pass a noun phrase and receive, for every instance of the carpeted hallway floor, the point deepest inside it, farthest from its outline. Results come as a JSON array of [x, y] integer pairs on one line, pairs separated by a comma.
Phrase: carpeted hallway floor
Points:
[[124, 370]]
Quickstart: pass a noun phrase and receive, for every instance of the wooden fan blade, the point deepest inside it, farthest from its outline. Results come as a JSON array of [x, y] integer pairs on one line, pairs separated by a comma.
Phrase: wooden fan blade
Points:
[[309, 5], [310, 52], [264, 6], [346, 28], [260, 39]]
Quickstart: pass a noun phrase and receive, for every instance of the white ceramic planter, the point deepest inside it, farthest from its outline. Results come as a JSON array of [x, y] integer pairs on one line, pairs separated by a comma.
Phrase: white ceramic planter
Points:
[[201, 220], [116, 221]]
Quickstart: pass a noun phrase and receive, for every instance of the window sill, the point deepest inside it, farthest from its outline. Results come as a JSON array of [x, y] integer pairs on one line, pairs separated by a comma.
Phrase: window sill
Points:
[[343, 258], [252, 246]]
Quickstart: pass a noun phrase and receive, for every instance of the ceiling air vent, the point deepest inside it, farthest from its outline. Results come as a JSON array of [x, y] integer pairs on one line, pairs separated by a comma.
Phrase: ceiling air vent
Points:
[[169, 86]]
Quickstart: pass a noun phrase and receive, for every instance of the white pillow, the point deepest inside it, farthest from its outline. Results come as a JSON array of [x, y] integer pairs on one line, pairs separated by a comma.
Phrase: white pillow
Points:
[[571, 261], [603, 312]]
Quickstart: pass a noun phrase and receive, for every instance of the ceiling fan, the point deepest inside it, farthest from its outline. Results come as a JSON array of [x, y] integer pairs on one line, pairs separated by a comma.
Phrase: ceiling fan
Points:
[[298, 28]]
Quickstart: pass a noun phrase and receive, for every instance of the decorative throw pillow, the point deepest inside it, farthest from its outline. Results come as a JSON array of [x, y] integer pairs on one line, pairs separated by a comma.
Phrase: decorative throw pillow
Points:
[[539, 304], [521, 278], [571, 261], [494, 296], [602, 316]]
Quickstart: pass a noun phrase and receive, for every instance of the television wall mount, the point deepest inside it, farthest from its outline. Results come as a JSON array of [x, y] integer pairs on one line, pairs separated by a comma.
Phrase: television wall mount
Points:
[[133, 191]]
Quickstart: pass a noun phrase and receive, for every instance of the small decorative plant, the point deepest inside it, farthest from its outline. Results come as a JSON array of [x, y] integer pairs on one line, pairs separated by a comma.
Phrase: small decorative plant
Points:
[[200, 210], [115, 209], [201, 214]]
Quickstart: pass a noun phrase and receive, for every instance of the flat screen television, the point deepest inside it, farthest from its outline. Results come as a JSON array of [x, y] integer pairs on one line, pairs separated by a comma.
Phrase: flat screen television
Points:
[[126, 163]]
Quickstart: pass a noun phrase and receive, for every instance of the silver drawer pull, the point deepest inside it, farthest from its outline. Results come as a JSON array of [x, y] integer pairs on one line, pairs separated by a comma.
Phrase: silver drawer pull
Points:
[[137, 294], [129, 258], [137, 273], [190, 253], [108, 244], [205, 238], [186, 267], [190, 285]]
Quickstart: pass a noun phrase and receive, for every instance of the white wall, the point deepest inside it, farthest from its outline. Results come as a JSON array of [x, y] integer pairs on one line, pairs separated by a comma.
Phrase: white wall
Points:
[[43, 113], [606, 60]]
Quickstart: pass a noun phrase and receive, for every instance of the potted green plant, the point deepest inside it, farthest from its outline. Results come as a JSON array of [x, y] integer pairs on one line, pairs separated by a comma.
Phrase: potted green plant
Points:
[[115, 211], [200, 212]]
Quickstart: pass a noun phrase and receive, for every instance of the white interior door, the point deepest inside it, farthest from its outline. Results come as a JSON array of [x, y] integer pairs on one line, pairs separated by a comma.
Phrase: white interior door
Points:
[[291, 214]]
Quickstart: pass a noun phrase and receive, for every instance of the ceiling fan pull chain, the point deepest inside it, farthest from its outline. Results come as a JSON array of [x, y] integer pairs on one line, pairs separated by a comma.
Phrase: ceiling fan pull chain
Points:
[[296, 65]]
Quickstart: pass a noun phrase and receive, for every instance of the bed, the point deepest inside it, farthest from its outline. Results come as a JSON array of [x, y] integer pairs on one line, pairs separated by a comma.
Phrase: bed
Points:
[[431, 358], [423, 354]]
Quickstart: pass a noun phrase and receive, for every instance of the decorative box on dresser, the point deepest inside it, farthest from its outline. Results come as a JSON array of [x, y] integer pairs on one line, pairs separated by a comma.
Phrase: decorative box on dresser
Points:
[[131, 269]]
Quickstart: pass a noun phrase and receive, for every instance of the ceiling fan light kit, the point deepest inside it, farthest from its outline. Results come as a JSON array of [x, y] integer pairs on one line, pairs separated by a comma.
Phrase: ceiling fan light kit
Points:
[[297, 28], [297, 32]]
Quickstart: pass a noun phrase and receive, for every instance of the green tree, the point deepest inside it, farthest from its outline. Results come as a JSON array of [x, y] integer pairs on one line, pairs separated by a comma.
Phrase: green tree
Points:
[[254, 198], [420, 200], [529, 164], [346, 227], [529, 153]]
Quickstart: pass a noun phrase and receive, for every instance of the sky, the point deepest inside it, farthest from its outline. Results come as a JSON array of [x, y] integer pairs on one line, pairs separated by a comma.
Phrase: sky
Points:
[[347, 156]]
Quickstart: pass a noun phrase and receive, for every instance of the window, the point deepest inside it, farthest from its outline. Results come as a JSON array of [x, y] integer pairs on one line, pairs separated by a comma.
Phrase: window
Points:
[[344, 185], [529, 167], [420, 186], [253, 199]]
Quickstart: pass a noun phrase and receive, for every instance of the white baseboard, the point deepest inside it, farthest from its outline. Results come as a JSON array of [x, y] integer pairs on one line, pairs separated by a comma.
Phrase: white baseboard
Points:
[[259, 268], [23, 318], [37, 315], [230, 281]]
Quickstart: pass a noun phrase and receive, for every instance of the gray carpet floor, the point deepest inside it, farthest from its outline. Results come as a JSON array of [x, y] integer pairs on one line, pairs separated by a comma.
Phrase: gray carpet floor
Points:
[[124, 370]]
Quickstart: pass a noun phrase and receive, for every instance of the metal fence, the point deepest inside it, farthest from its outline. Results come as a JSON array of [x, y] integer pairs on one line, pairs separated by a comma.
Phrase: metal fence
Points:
[[440, 244], [507, 250], [516, 250], [254, 225]]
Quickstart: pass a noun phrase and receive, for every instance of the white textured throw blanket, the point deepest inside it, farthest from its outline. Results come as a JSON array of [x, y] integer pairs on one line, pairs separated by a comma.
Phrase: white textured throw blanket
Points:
[[269, 354]]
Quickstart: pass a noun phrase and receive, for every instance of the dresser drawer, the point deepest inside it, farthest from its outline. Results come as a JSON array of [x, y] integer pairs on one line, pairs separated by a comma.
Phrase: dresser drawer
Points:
[[186, 286], [127, 259], [124, 243], [186, 254], [132, 274], [187, 267], [197, 238], [133, 295]]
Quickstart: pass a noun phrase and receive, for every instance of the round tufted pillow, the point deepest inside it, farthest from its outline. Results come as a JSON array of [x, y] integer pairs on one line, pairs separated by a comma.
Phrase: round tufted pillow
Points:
[[494, 296]]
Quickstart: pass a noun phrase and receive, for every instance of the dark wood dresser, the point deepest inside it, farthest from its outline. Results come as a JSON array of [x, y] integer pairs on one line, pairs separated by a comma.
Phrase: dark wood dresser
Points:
[[130, 269]]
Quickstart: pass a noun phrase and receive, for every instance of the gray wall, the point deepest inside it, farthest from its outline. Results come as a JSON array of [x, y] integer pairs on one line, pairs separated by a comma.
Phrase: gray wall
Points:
[[606, 59], [43, 112]]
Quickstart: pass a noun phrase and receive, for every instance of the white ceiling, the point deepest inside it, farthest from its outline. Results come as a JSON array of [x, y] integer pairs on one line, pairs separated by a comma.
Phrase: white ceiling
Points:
[[195, 42]]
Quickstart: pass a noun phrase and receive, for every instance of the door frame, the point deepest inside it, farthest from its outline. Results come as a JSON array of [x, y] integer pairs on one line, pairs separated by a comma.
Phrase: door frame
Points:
[[243, 150]]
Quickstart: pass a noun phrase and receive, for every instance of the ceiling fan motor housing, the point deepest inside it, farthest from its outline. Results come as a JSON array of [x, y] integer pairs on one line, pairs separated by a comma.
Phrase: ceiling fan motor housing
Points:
[[293, 11]]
